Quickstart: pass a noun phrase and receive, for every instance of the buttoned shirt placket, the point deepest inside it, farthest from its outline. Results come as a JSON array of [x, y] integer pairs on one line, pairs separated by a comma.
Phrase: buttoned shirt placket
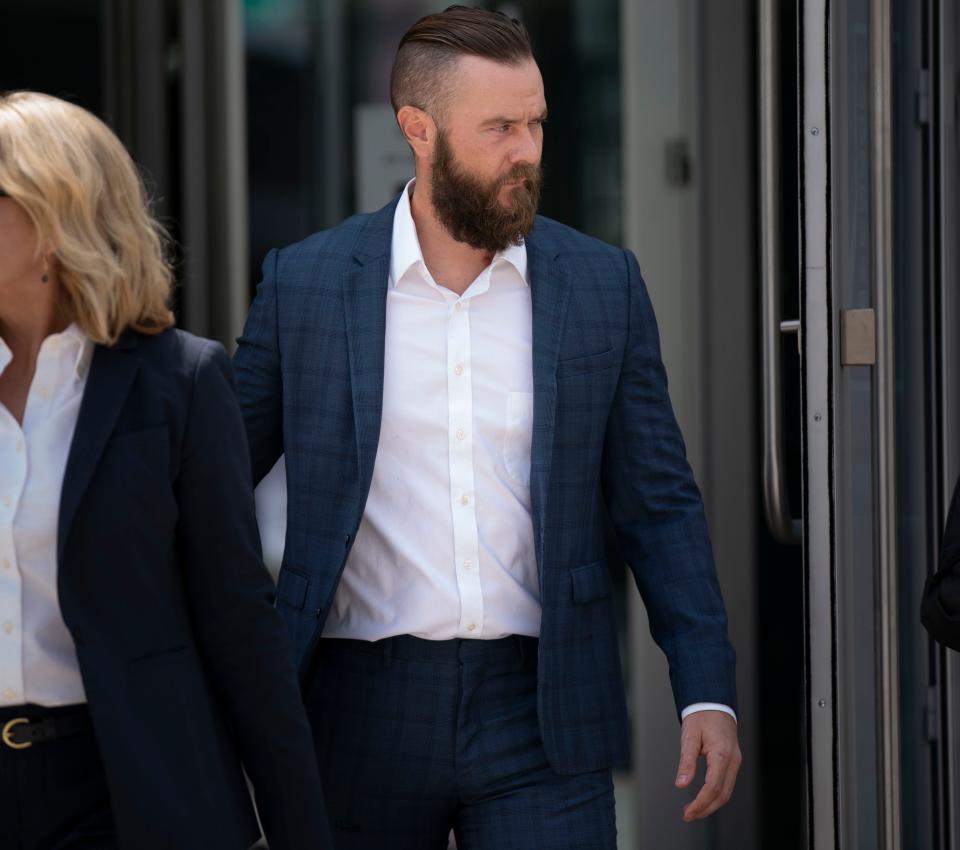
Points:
[[460, 442], [33, 639]]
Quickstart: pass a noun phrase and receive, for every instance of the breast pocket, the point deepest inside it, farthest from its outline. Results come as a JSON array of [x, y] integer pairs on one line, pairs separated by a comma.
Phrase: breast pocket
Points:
[[518, 435], [588, 365]]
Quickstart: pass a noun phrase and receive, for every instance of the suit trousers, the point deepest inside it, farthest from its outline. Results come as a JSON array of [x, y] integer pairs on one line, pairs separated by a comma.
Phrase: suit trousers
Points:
[[416, 737], [53, 795]]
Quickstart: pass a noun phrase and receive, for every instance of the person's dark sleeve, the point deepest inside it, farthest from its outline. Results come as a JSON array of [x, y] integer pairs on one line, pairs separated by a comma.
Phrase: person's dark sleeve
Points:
[[259, 382], [940, 610], [240, 634], [658, 515]]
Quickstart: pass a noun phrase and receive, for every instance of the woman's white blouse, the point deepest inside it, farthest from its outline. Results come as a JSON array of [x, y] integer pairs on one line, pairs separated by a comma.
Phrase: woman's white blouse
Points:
[[38, 659]]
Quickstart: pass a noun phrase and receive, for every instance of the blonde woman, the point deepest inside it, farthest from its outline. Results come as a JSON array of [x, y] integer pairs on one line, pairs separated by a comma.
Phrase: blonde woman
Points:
[[141, 660]]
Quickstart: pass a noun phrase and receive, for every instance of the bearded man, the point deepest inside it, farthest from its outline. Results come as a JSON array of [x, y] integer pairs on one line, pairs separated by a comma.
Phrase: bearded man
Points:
[[459, 386]]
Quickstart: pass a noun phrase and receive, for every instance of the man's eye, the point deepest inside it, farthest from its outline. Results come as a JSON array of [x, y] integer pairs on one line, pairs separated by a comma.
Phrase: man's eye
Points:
[[503, 128]]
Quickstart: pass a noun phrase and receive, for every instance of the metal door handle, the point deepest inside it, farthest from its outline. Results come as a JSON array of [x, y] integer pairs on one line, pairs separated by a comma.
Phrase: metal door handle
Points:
[[776, 504]]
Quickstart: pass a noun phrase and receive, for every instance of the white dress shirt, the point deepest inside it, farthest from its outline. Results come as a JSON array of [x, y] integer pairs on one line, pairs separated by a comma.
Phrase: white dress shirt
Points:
[[38, 660], [445, 548]]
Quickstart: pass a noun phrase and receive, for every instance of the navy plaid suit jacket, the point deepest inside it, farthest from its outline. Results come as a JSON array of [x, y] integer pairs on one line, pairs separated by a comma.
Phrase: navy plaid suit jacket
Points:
[[310, 379]]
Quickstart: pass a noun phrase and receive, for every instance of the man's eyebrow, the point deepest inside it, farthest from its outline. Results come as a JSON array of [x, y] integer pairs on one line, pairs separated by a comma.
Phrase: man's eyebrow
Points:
[[503, 119]]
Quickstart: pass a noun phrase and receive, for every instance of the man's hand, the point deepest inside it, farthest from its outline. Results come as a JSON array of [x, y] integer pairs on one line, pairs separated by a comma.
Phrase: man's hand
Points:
[[714, 734]]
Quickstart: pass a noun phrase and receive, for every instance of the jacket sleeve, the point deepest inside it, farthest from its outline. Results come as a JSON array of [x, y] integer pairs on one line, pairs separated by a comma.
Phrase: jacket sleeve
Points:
[[239, 633], [259, 382], [658, 515], [940, 610]]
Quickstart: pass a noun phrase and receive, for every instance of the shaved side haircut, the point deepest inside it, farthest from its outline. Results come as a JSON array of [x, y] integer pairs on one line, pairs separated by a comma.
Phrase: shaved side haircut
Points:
[[430, 49]]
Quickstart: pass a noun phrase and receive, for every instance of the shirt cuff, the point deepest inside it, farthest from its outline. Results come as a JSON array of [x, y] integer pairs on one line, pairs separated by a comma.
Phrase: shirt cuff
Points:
[[707, 706]]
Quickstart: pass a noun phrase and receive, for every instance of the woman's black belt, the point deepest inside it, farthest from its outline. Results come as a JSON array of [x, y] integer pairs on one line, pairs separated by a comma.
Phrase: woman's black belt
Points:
[[22, 732]]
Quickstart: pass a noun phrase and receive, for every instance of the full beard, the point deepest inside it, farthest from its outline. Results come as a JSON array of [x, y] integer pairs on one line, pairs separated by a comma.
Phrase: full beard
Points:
[[470, 209]]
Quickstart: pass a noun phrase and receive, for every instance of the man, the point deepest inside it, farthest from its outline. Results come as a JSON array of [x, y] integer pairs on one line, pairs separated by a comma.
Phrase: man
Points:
[[458, 386]]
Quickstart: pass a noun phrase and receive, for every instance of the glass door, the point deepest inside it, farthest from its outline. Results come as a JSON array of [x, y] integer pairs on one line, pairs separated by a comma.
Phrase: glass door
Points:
[[876, 170]]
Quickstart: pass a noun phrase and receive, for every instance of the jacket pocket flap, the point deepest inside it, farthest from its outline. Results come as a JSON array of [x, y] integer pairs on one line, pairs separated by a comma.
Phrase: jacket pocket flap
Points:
[[292, 588], [591, 582], [584, 365]]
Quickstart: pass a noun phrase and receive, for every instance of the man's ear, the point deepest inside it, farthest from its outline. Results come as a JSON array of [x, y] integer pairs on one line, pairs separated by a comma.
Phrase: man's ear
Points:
[[418, 129]]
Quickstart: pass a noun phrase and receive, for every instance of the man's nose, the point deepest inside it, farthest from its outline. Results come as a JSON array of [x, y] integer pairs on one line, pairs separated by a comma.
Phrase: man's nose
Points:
[[527, 148]]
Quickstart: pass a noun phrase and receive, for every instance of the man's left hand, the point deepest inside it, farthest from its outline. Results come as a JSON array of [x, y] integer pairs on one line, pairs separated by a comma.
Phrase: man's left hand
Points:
[[714, 735]]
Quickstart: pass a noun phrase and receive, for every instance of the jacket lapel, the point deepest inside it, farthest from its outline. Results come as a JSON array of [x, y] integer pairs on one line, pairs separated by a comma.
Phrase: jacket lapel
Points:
[[365, 309], [112, 371], [549, 290]]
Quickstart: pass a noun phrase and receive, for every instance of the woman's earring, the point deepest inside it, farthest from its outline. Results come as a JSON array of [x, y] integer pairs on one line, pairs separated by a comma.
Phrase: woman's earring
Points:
[[45, 278]]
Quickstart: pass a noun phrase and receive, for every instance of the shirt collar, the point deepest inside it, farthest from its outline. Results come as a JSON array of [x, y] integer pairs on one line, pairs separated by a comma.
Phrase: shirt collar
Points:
[[75, 338], [71, 338], [405, 245], [405, 252]]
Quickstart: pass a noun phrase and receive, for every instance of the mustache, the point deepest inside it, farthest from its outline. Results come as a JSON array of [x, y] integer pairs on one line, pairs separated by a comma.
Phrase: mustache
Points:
[[522, 172]]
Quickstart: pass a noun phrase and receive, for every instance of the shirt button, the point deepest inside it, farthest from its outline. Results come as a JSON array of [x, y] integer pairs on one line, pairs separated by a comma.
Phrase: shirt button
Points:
[[19, 446], [472, 627], [44, 392], [461, 434], [458, 369], [467, 564], [458, 306], [6, 563], [9, 693], [464, 499], [8, 627]]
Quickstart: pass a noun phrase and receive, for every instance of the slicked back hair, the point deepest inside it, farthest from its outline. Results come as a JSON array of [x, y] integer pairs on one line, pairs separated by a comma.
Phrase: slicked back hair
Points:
[[430, 49]]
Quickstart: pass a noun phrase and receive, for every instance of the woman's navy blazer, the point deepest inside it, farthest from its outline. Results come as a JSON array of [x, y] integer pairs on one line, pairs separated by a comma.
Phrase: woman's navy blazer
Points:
[[184, 659]]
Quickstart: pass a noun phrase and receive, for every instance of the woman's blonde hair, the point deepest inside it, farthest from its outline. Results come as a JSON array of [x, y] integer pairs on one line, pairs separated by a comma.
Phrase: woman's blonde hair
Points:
[[78, 185]]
